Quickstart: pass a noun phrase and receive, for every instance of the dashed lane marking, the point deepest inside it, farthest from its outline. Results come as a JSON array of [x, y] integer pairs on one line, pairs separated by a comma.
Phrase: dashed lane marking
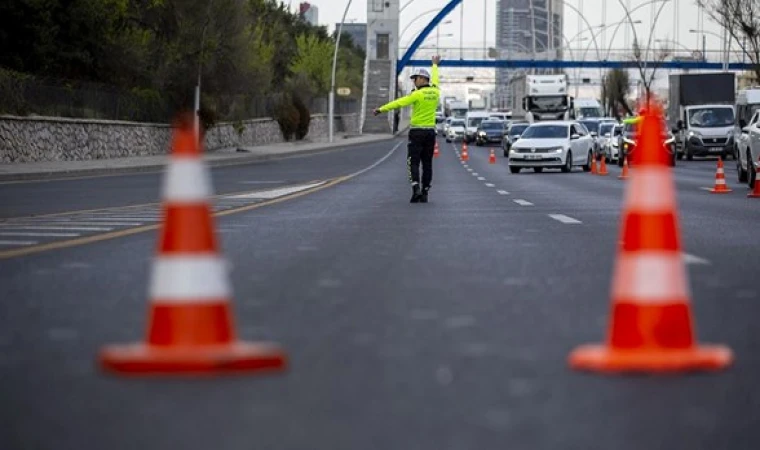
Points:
[[693, 259], [17, 243], [23, 233], [502, 192], [490, 185], [5, 226], [522, 202], [564, 219]]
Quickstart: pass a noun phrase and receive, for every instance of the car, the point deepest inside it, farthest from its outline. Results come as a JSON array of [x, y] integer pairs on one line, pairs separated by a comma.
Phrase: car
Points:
[[473, 120], [489, 131], [628, 140], [514, 130], [552, 145], [456, 130], [748, 150], [611, 148], [604, 138], [440, 123], [500, 116], [592, 125]]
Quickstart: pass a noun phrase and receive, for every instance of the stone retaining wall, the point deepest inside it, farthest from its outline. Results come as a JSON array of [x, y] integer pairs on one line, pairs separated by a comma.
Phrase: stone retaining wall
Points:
[[29, 139]]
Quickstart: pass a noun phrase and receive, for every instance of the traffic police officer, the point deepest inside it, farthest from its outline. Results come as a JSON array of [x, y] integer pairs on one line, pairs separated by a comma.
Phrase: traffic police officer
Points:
[[424, 101]]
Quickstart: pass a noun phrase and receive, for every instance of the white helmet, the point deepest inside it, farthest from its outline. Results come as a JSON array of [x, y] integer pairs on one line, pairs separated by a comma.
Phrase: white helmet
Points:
[[420, 73]]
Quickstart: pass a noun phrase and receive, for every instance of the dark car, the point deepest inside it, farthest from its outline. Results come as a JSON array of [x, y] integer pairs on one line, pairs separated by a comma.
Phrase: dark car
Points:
[[513, 133], [627, 143], [489, 131]]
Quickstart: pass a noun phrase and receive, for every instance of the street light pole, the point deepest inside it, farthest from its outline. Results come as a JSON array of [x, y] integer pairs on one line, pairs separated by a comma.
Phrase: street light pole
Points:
[[331, 95]]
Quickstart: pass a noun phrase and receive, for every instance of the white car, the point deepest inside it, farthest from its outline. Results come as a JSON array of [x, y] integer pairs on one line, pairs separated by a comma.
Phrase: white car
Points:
[[456, 130], [552, 145], [440, 124], [748, 151], [606, 136]]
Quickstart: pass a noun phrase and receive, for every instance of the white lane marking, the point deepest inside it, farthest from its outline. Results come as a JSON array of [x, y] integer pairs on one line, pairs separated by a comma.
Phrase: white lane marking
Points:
[[474, 174], [693, 259], [376, 163], [522, 202], [481, 179], [6, 226], [76, 224], [469, 170], [111, 219], [564, 219], [14, 233], [490, 185], [503, 192], [18, 242], [274, 193], [705, 188]]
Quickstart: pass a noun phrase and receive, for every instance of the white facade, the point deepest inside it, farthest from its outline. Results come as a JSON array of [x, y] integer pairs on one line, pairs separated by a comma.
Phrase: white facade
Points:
[[383, 29]]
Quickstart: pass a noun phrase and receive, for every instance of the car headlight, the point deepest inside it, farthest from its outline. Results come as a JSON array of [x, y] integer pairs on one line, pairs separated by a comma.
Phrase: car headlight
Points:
[[556, 150], [482, 134], [614, 144], [695, 134]]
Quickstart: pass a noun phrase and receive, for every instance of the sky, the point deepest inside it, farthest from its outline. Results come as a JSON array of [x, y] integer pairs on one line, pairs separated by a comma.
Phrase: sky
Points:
[[689, 17]]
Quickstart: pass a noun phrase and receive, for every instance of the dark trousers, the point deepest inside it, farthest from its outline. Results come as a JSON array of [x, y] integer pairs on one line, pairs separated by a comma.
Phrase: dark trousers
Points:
[[420, 150]]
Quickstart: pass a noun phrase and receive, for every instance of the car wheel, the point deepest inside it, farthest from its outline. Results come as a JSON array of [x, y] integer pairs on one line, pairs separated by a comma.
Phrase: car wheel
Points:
[[506, 154], [587, 166], [689, 155], [724, 156], [620, 160], [514, 169], [752, 175], [448, 140], [740, 172], [679, 156], [673, 159], [538, 169], [568, 167]]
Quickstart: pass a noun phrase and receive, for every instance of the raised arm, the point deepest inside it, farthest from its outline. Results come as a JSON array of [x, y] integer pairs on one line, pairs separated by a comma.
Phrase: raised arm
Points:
[[434, 71]]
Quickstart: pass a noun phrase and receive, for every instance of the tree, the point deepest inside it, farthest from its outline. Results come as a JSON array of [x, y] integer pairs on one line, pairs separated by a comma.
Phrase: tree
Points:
[[646, 72], [742, 20], [616, 85], [314, 61]]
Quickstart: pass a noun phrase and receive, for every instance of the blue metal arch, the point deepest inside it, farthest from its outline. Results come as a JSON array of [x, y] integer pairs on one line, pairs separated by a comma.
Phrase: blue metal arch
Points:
[[564, 64], [425, 32]]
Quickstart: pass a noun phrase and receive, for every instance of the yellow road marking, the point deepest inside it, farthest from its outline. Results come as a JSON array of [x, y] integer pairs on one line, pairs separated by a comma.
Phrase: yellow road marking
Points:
[[130, 231]]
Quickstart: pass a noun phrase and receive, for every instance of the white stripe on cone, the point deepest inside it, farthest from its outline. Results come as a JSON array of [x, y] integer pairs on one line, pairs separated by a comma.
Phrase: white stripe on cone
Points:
[[186, 180], [189, 278], [650, 277], [651, 190]]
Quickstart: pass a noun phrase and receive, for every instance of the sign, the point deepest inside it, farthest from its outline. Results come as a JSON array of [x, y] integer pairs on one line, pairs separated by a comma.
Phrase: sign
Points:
[[344, 92]]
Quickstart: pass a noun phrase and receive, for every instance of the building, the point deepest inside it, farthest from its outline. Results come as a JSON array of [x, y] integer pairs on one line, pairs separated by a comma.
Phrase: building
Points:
[[358, 33], [525, 29], [309, 13]]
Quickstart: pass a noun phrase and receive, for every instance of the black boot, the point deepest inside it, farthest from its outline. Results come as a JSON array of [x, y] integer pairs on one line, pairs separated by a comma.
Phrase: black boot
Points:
[[416, 194], [424, 195]]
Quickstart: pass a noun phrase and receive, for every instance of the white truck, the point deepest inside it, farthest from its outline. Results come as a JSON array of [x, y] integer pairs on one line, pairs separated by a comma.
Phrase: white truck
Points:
[[546, 98], [457, 109], [586, 108]]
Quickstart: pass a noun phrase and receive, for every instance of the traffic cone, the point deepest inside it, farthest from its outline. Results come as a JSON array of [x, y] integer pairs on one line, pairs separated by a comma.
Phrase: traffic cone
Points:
[[603, 168], [651, 328], [720, 180], [190, 330], [492, 158], [465, 153], [624, 174], [593, 164], [436, 153], [756, 191]]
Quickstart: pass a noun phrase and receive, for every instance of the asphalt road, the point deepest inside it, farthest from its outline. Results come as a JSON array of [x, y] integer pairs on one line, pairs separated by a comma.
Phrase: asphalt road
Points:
[[432, 326]]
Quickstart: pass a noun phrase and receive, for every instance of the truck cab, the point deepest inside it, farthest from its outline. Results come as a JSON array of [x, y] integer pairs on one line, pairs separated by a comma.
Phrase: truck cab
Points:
[[546, 98], [709, 130], [586, 108]]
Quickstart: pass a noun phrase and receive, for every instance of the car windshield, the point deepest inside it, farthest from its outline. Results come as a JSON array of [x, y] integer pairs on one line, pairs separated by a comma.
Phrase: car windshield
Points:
[[517, 129], [711, 117], [545, 132], [618, 130], [491, 126], [606, 128], [457, 123], [589, 112], [439, 120], [591, 125], [630, 129], [474, 122]]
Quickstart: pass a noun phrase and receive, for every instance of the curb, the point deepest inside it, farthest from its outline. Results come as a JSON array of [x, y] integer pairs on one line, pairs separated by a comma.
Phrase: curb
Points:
[[241, 160]]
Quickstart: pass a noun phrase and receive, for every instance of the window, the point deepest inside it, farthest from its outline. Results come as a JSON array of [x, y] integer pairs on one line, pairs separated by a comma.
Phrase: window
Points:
[[383, 46], [378, 5], [545, 132]]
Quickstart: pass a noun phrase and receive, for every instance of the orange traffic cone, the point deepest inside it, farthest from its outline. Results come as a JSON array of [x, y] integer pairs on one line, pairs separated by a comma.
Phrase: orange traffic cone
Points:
[[720, 180], [436, 152], [492, 158], [651, 328], [190, 328], [756, 191], [624, 174], [593, 164], [465, 153], [603, 168]]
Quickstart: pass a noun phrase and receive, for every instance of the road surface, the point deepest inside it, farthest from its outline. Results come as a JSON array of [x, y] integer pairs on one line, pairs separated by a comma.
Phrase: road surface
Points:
[[431, 326]]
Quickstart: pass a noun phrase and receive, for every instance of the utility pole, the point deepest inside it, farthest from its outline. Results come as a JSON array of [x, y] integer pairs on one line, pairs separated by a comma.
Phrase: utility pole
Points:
[[331, 99], [461, 29]]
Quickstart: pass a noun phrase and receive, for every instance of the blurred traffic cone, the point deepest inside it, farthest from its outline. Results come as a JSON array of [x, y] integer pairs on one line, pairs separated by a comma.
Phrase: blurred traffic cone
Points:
[[190, 327], [603, 168], [465, 153], [720, 180], [756, 191], [492, 158], [436, 152], [624, 174], [593, 164], [651, 328]]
